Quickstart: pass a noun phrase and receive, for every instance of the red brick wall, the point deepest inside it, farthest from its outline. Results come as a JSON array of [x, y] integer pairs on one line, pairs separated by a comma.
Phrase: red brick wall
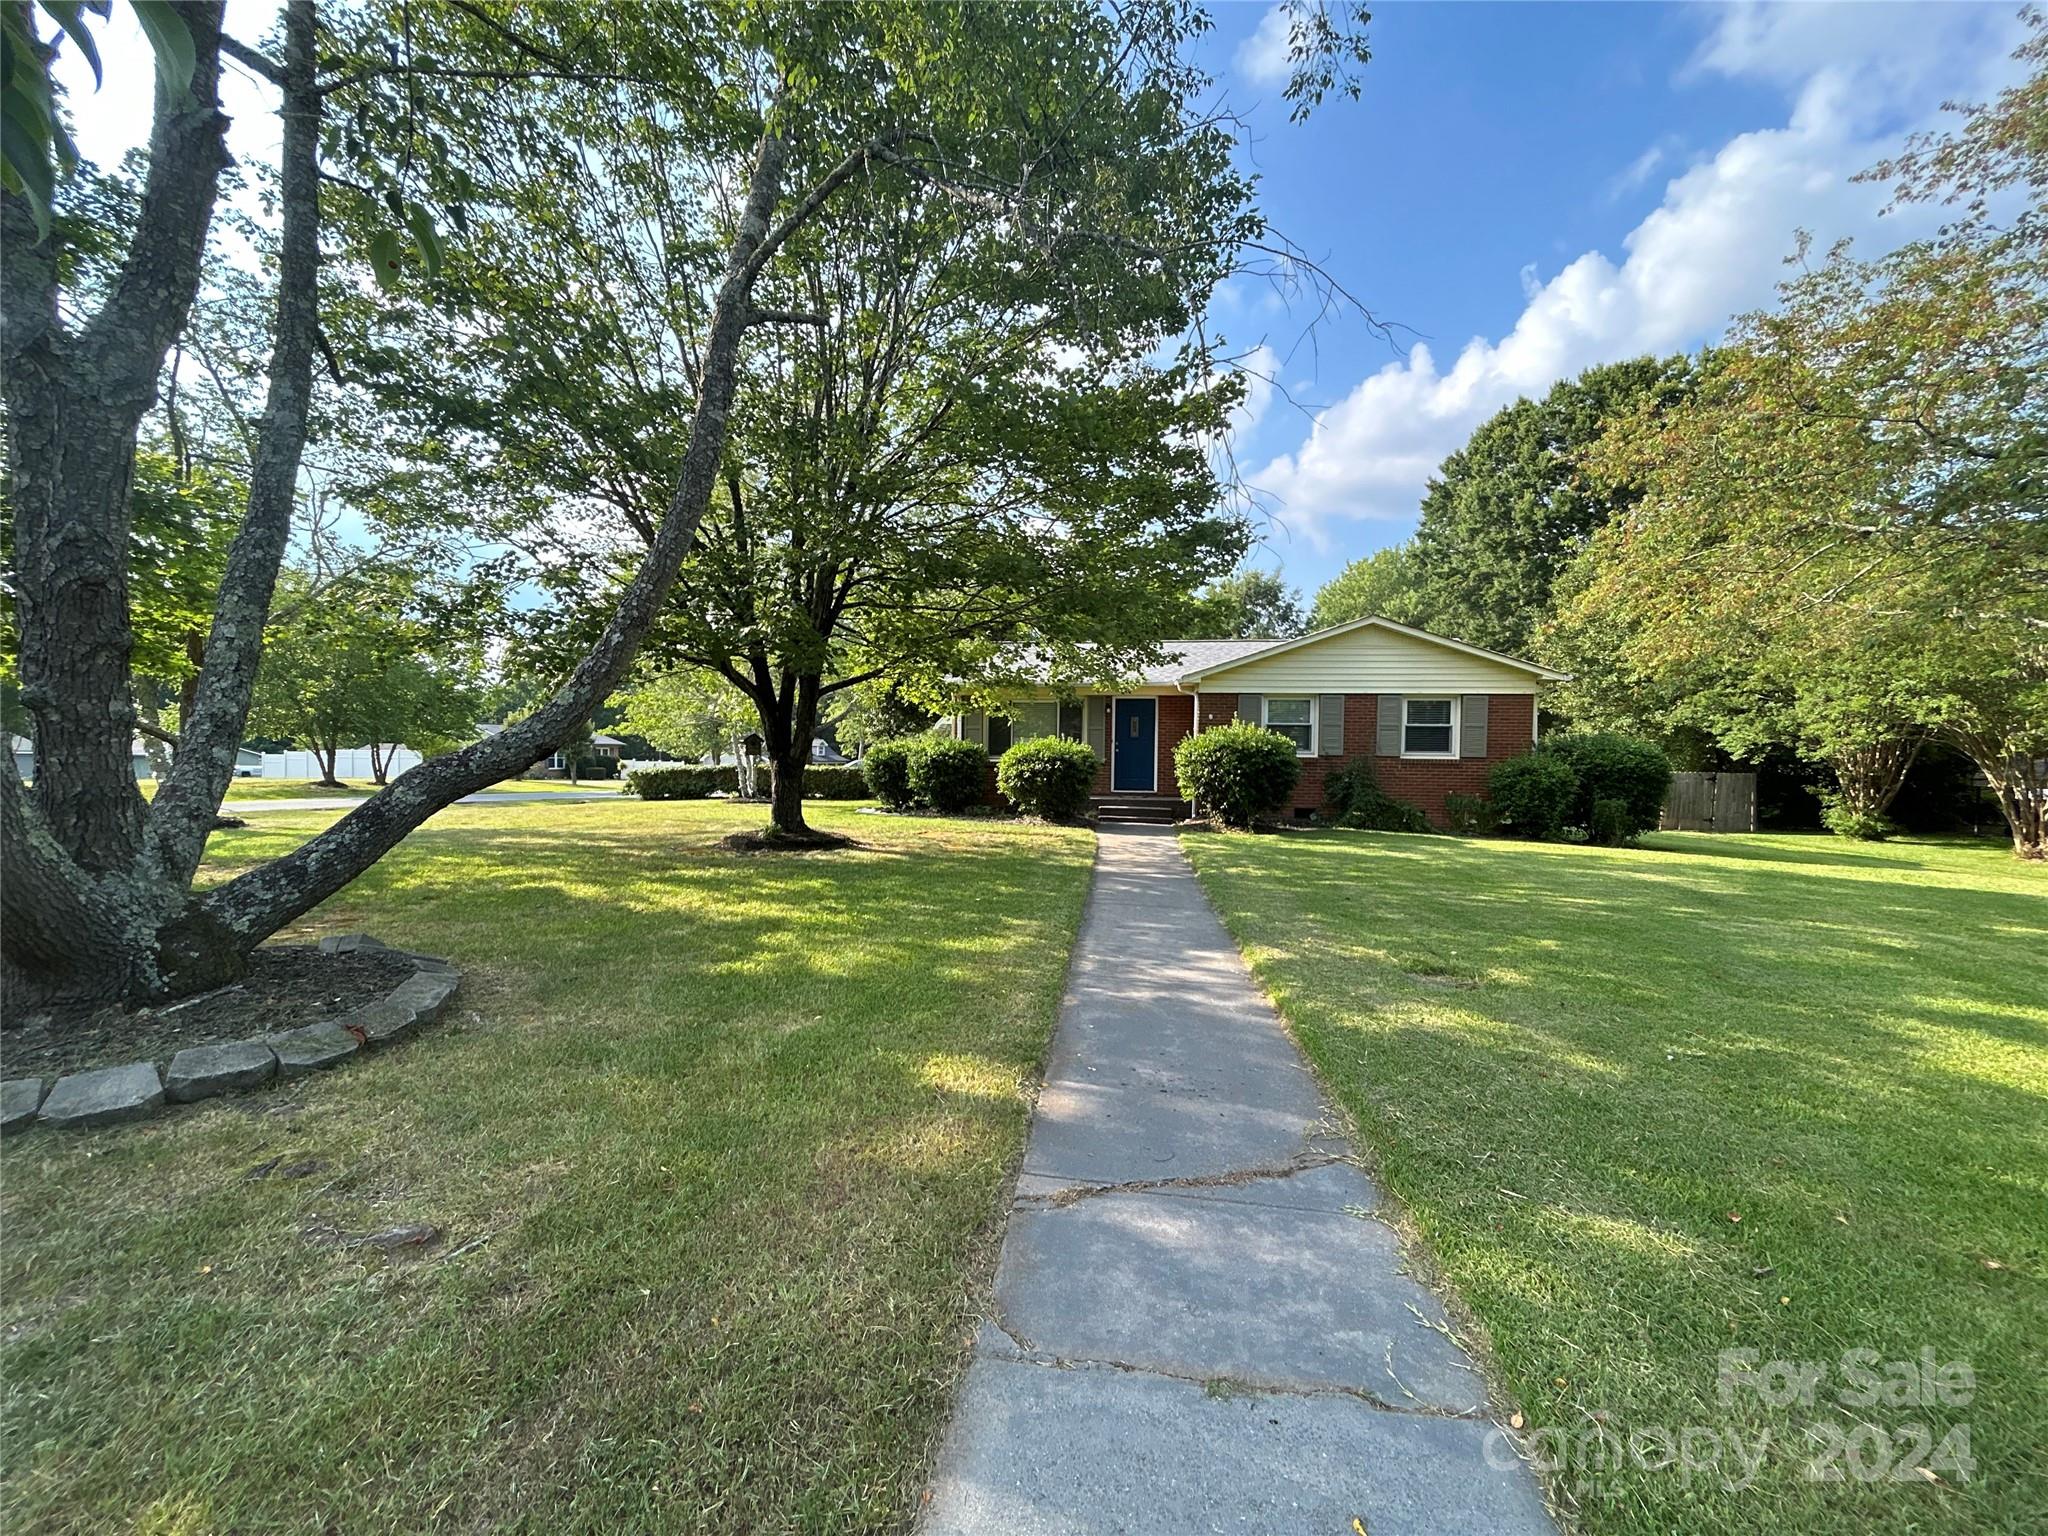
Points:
[[1176, 719], [1421, 782], [1510, 719]]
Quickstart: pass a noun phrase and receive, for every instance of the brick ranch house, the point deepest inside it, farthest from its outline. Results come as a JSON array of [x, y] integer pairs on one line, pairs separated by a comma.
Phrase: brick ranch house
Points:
[[1432, 714]]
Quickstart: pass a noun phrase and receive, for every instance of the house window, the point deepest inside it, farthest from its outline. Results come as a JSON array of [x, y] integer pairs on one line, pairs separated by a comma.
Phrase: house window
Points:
[[1430, 728], [1294, 718], [557, 762], [1025, 722]]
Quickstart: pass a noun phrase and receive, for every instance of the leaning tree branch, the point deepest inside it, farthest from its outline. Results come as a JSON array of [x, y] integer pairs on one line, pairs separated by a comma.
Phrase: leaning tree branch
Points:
[[169, 738], [266, 898], [252, 58]]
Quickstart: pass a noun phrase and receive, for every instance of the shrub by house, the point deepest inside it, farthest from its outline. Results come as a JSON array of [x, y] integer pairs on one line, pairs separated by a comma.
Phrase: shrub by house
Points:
[[1048, 776], [1243, 773]]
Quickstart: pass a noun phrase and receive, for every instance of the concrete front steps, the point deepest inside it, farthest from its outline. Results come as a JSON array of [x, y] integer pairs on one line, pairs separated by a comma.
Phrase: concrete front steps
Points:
[[1157, 808]]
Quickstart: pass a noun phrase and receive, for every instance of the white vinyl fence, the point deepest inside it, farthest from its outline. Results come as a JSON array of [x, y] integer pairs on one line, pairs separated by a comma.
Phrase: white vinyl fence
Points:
[[349, 763]]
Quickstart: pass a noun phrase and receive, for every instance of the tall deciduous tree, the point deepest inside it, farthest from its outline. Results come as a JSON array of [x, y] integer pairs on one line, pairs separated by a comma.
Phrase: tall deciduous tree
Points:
[[1867, 463], [951, 431], [1245, 605], [1511, 509], [778, 110], [1385, 584]]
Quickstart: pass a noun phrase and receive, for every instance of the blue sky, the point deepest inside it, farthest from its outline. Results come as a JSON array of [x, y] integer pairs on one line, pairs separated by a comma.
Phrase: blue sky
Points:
[[1537, 188], [1528, 189]]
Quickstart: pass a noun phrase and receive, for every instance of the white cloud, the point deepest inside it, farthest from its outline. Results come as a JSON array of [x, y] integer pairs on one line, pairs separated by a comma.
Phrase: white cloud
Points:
[[1639, 170], [1713, 248], [1263, 55]]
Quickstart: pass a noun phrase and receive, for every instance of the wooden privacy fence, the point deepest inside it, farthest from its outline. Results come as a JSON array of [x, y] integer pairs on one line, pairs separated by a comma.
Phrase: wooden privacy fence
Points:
[[1710, 802]]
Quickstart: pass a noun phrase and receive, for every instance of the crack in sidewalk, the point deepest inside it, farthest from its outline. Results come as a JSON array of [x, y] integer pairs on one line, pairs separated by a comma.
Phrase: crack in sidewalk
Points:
[[1225, 1384], [1231, 1179]]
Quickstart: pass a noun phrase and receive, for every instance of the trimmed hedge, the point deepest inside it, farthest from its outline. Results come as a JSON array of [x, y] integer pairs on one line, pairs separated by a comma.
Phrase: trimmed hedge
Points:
[[698, 781], [1611, 766], [886, 767], [682, 781], [835, 781], [1241, 772], [1533, 793], [1048, 776], [948, 775], [1352, 797]]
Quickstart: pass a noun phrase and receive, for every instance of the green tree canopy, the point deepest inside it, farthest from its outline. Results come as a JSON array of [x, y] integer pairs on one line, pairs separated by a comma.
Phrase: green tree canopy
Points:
[[1848, 512], [1511, 509], [1249, 604], [1385, 584], [378, 660], [974, 412]]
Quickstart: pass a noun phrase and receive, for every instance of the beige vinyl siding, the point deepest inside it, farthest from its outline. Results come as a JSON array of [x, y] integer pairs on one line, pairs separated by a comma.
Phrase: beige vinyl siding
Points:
[[1371, 660]]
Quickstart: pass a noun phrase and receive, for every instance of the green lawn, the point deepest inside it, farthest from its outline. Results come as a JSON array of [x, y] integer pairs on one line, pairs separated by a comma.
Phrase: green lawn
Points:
[[716, 1146], [276, 789], [1579, 1067], [301, 789]]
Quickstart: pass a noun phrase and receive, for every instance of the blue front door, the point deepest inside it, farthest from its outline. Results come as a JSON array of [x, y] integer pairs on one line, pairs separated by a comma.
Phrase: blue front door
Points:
[[1136, 725]]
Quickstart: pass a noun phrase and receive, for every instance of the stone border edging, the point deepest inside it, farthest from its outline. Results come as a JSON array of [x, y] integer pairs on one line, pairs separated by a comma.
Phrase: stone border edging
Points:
[[135, 1091]]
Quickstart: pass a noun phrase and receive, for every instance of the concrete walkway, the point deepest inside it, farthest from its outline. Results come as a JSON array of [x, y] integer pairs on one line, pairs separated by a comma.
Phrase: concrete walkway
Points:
[[1199, 1325]]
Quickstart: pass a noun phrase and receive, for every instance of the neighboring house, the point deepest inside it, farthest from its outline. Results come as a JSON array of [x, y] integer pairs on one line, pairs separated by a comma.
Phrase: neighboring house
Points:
[[822, 752], [24, 751], [1431, 715], [556, 765]]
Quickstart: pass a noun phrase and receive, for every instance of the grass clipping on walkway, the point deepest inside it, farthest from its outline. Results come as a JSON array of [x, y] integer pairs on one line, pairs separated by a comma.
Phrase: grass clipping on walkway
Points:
[[710, 1149], [1783, 1095]]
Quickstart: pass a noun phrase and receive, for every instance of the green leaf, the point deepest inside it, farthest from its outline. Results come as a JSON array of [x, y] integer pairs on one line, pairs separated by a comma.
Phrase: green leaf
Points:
[[387, 258], [426, 239], [70, 15], [171, 41], [26, 159]]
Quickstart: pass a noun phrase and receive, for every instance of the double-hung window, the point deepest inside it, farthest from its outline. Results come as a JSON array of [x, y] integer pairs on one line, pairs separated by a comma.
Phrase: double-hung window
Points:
[[1429, 728], [1025, 722], [1294, 718]]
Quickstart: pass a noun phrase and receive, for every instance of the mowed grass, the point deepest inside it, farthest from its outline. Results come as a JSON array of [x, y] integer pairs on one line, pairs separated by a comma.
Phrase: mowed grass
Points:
[[302, 789], [1780, 1094], [278, 789], [714, 1145]]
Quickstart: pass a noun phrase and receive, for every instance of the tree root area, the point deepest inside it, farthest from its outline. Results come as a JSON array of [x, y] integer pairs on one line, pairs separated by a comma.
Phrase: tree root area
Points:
[[773, 840], [287, 985]]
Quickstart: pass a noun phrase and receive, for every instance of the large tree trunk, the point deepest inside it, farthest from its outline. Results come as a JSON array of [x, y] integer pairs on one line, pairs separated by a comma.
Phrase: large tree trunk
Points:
[[74, 403], [2019, 783], [788, 720]]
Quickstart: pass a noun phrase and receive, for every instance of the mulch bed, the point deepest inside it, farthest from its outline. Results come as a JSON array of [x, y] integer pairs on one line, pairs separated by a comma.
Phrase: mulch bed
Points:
[[781, 842], [287, 985]]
